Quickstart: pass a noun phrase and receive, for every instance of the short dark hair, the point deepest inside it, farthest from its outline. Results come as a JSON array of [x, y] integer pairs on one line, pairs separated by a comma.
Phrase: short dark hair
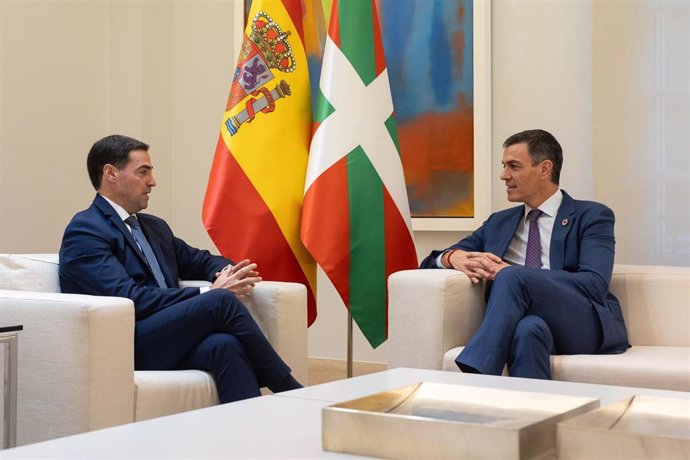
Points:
[[112, 150], [541, 146]]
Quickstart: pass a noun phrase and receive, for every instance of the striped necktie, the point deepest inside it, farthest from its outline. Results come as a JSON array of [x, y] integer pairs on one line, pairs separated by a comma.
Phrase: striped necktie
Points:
[[533, 254], [145, 247]]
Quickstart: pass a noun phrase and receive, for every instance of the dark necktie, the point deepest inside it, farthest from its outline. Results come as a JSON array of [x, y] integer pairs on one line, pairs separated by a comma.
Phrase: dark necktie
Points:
[[533, 255], [133, 222]]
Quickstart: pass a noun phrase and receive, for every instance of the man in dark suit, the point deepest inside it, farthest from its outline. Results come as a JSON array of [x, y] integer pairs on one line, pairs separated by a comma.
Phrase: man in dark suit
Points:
[[111, 249], [548, 270]]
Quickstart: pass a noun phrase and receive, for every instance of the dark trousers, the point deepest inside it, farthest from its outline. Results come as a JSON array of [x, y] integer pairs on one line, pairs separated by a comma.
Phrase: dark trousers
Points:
[[213, 332], [528, 318]]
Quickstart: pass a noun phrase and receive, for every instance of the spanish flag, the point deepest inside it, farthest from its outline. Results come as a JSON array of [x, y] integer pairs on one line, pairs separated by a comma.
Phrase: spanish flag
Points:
[[254, 196]]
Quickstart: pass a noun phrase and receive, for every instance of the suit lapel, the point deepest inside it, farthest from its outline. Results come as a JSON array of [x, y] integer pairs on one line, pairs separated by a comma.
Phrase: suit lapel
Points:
[[115, 219], [508, 229], [561, 227]]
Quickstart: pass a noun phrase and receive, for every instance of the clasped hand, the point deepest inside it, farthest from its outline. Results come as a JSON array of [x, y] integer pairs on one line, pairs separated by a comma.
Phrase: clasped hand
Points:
[[239, 279], [477, 266]]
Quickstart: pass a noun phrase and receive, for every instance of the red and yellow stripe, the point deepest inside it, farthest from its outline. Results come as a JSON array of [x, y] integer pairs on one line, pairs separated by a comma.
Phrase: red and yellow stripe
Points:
[[254, 195]]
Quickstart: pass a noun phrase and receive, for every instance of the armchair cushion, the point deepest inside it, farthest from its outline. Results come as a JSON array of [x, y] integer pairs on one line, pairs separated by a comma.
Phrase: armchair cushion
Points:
[[655, 303], [29, 272], [654, 367], [662, 367], [161, 393]]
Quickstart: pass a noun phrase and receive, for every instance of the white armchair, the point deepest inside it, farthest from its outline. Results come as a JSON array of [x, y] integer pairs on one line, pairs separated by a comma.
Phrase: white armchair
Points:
[[76, 352], [433, 314]]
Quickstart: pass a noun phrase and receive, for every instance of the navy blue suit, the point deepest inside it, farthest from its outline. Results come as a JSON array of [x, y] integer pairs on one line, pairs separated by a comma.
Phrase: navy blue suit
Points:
[[176, 328], [534, 313]]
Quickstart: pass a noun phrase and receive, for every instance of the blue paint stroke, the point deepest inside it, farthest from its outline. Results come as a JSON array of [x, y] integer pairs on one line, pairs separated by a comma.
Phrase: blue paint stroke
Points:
[[441, 68], [425, 72]]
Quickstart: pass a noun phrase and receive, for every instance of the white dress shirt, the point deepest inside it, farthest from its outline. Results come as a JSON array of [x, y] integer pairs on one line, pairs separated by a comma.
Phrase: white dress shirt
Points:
[[517, 249], [120, 212]]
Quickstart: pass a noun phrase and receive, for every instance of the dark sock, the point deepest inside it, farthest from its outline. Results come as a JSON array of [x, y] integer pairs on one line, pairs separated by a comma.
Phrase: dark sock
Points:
[[467, 369], [288, 383]]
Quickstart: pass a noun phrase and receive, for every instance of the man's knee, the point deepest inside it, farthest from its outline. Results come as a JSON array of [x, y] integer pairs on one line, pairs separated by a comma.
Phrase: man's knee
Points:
[[218, 300], [524, 283], [219, 296], [224, 346], [509, 284], [514, 275]]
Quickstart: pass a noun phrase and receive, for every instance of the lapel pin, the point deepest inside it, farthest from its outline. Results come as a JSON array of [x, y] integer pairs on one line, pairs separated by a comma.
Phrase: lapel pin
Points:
[[564, 223]]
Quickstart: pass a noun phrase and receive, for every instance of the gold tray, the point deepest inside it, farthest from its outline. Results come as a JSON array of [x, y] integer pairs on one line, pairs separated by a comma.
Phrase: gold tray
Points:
[[637, 427], [430, 420]]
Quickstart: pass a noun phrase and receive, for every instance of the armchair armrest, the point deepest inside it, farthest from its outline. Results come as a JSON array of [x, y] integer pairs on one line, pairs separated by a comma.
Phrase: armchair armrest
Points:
[[430, 312], [75, 362], [280, 310]]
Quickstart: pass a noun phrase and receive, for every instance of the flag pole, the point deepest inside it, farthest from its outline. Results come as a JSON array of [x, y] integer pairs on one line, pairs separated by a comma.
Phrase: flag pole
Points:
[[349, 344]]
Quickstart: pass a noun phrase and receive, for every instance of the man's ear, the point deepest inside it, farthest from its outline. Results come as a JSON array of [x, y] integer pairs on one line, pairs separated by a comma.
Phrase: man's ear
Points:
[[109, 173], [546, 167]]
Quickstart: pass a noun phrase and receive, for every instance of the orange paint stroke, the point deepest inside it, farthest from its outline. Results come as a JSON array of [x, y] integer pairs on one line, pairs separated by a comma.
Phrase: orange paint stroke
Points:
[[438, 159]]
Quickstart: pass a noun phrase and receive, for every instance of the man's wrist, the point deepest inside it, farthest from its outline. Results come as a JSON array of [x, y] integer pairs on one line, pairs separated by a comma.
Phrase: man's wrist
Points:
[[445, 258]]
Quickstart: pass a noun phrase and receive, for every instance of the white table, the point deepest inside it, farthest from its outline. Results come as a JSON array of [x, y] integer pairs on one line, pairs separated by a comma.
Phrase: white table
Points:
[[287, 425]]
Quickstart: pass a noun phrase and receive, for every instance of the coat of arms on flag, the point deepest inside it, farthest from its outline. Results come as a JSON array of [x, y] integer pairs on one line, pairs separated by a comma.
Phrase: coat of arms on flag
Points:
[[266, 49]]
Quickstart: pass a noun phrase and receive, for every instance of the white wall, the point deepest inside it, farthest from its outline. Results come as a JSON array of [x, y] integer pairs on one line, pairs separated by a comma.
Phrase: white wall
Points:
[[204, 52], [641, 99], [542, 78], [74, 71], [54, 99]]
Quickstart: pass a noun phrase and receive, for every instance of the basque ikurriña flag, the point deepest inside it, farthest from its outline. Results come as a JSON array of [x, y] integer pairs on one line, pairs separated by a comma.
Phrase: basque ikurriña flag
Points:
[[254, 196], [356, 217]]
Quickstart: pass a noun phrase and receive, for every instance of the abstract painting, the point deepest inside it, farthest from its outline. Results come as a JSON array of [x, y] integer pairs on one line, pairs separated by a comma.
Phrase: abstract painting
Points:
[[429, 53]]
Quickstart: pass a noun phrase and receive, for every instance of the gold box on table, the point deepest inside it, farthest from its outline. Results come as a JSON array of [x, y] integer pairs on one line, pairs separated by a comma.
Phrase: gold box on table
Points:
[[637, 427], [430, 420]]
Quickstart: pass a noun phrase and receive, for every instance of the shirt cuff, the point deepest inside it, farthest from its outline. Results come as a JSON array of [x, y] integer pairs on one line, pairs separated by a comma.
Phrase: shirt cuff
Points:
[[204, 289], [439, 264]]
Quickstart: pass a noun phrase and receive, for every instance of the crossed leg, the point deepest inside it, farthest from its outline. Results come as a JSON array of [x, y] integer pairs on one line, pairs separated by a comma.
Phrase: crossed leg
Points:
[[214, 332], [528, 317]]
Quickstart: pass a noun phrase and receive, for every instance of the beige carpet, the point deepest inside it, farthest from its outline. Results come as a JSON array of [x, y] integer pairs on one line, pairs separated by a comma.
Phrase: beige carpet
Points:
[[328, 370]]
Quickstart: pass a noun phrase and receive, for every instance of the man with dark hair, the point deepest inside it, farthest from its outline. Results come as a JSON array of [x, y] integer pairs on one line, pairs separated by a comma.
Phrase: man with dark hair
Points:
[[548, 265], [112, 249]]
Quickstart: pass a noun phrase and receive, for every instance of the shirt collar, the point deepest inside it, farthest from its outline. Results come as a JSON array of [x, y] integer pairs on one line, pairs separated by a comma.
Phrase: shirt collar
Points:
[[118, 209], [550, 206]]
